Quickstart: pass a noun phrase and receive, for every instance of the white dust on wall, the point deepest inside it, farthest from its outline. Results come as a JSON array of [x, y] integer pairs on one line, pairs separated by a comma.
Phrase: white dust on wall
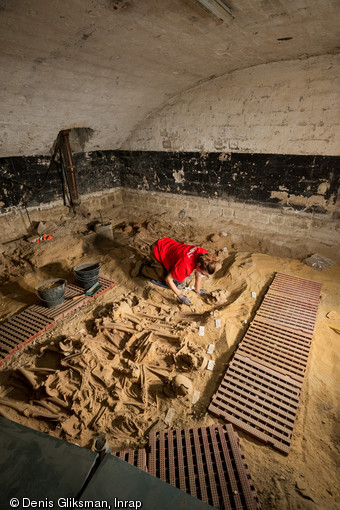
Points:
[[279, 108]]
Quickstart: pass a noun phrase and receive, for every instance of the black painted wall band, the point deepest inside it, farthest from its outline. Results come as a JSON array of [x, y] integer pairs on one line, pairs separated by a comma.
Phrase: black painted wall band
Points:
[[251, 178]]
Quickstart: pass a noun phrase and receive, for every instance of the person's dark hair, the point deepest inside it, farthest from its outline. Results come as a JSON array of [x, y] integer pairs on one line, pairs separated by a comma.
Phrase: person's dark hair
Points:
[[206, 263]]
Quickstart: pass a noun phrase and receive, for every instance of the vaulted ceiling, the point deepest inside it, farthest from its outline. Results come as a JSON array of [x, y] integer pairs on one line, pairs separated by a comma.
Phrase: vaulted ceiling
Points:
[[107, 65]]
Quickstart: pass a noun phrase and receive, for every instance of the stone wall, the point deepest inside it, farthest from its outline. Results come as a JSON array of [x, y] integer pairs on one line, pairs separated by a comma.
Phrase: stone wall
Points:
[[300, 183], [20, 221], [248, 227], [284, 232], [292, 201]]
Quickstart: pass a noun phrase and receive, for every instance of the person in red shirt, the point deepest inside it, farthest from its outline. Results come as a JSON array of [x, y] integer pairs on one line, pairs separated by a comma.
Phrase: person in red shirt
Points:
[[179, 261]]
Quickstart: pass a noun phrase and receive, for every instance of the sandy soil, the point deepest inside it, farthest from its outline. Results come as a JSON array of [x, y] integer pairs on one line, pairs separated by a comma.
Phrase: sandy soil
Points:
[[110, 366]]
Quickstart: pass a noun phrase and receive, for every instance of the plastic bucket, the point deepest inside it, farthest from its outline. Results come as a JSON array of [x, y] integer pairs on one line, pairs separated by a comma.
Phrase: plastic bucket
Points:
[[87, 274], [51, 292], [51, 289], [88, 283], [53, 302], [87, 269], [104, 230]]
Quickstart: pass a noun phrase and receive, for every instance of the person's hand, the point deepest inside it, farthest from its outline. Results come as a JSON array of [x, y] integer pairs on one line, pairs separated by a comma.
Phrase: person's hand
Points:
[[184, 299], [201, 292]]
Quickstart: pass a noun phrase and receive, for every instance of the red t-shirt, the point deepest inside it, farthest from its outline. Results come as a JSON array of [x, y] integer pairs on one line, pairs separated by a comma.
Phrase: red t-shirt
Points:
[[179, 259]]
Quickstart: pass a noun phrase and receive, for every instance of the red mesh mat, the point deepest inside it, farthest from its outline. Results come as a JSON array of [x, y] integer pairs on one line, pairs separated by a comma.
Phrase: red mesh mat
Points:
[[258, 400], [296, 288], [206, 462], [74, 298], [20, 330], [289, 312], [36, 319], [261, 387], [277, 347], [137, 458]]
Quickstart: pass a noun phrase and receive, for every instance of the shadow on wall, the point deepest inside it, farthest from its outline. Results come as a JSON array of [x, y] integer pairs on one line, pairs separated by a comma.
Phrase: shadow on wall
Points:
[[78, 137]]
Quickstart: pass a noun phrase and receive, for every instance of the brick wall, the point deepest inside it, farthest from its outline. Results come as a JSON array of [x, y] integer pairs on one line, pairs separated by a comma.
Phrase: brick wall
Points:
[[36, 180], [289, 107]]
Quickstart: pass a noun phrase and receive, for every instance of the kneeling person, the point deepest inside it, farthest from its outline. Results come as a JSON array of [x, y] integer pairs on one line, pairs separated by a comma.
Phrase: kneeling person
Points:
[[179, 261]]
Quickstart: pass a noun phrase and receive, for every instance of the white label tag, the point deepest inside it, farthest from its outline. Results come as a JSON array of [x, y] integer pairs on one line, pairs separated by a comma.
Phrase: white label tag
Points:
[[169, 415], [211, 364], [196, 396], [211, 348]]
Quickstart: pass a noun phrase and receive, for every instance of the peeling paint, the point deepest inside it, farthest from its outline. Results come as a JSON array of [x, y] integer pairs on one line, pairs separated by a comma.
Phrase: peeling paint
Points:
[[289, 199], [309, 183], [179, 176], [323, 188], [224, 156]]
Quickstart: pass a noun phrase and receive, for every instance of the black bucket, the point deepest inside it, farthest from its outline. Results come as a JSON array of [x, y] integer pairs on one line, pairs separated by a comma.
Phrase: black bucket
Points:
[[87, 274], [51, 292], [53, 302]]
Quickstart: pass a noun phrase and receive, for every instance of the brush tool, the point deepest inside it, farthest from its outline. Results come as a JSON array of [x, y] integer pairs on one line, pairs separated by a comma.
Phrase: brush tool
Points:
[[91, 291]]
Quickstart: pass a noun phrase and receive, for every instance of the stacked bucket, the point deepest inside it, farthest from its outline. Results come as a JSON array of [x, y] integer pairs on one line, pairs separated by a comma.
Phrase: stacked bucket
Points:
[[52, 292], [87, 274]]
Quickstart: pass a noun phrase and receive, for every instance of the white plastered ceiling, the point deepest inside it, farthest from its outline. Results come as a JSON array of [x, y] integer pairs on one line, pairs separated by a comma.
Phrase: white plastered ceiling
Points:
[[109, 65]]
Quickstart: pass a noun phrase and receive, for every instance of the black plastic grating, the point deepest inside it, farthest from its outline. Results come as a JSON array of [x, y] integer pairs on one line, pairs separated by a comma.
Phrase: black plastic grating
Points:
[[206, 462]]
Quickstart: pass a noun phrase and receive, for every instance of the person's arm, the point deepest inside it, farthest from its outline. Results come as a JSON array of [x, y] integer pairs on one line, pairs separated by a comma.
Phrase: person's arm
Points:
[[170, 283], [198, 282]]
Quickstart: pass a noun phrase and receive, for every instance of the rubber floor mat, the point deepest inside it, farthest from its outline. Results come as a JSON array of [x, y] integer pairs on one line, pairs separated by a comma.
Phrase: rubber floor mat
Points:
[[277, 347], [205, 462], [258, 400]]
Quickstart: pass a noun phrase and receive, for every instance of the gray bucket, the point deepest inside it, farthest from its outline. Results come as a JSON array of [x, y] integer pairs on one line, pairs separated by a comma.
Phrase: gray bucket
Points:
[[87, 274], [104, 230], [51, 292], [52, 303]]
